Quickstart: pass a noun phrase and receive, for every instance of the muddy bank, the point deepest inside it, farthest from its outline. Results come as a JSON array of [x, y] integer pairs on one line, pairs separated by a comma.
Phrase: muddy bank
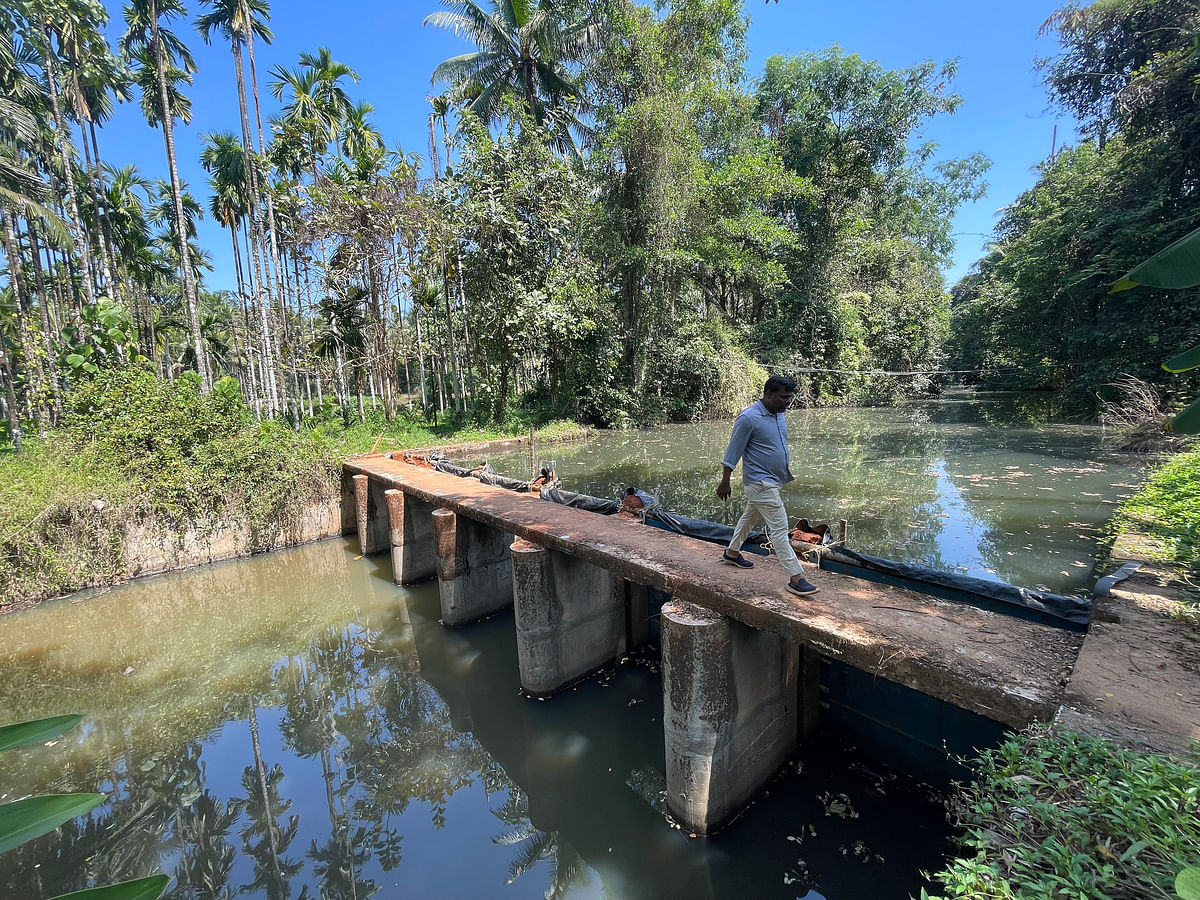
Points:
[[111, 549]]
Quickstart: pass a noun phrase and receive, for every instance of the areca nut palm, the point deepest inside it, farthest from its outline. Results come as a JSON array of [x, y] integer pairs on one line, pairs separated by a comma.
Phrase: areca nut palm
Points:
[[318, 104], [525, 49], [144, 32]]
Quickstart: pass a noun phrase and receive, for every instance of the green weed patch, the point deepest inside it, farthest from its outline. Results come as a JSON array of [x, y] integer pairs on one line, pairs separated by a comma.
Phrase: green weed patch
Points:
[[1057, 814], [1167, 512]]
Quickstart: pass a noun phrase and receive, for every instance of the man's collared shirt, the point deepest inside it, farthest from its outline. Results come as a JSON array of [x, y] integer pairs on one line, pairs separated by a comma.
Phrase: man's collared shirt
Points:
[[760, 441]]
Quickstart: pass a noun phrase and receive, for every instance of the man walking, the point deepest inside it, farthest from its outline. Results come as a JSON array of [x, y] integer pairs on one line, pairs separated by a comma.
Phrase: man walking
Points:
[[760, 441]]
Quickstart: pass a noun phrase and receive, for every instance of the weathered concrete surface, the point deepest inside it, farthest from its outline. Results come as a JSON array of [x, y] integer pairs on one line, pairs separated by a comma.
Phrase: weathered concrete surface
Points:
[[372, 515], [410, 534], [570, 617], [150, 548], [1007, 669], [474, 568], [730, 712], [1136, 680]]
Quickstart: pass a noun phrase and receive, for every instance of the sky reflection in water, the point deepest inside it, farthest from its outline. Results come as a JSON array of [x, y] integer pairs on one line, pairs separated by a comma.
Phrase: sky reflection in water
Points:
[[295, 726]]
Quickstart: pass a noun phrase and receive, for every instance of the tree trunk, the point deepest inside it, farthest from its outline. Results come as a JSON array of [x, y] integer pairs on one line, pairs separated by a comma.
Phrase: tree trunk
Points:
[[167, 121], [420, 356], [272, 230], [10, 396], [108, 284], [16, 279], [258, 261], [63, 141], [44, 313]]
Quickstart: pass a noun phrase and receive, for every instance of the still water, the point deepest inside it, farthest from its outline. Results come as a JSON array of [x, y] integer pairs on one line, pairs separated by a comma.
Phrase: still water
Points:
[[296, 726], [966, 483]]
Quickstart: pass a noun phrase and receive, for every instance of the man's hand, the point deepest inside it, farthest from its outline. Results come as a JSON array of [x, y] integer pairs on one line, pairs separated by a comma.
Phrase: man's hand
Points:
[[723, 490]]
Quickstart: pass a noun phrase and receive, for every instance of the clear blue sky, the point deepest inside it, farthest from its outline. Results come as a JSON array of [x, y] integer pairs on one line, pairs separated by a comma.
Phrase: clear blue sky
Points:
[[1003, 113]]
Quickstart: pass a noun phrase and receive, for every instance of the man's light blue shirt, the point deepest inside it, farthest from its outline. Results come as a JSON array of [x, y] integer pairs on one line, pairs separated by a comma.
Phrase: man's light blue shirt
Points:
[[760, 441]]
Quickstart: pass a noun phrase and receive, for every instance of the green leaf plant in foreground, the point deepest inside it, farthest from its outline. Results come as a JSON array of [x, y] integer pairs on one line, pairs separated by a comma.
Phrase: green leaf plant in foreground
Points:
[[24, 733], [139, 889], [1175, 266], [1187, 884], [23, 820]]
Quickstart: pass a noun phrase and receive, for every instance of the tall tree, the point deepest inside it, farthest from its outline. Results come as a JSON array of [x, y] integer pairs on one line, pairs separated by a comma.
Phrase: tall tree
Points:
[[526, 50], [237, 20], [162, 49], [49, 15]]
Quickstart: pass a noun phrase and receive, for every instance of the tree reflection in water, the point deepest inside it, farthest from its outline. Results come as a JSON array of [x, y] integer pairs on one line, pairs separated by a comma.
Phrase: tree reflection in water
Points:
[[532, 846], [268, 729]]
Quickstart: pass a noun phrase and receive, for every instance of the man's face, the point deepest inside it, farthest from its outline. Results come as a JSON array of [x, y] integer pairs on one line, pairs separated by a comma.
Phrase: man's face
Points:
[[778, 402]]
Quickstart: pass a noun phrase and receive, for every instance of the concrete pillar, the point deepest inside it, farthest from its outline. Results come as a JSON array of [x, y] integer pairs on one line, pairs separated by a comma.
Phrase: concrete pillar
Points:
[[349, 504], [637, 614], [371, 508], [730, 713], [474, 568], [410, 532], [570, 617]]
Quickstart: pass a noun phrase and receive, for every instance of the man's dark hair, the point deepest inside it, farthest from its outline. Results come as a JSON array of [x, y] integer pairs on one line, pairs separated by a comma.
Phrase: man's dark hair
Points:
[[777, 383]]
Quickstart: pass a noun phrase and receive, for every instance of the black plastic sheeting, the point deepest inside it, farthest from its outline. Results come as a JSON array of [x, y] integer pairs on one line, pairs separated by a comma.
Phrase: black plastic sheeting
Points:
[[659, 518], [487, 476], [1072, 613], [703, 529], [581, 501]]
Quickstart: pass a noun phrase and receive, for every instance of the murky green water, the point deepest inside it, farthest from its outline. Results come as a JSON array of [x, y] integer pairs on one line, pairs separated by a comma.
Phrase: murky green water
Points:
[[296, 726], [965, 483]]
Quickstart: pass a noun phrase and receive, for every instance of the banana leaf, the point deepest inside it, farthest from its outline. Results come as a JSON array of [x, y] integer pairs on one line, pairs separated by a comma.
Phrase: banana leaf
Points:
[[139, 889], [26, 819], [1175, 266], [1188, 421], [22, 734], [1189, 359]]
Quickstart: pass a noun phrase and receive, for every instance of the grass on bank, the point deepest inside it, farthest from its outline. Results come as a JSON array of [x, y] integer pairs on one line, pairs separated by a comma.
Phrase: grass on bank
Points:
[[1056, 814], [1166, 511], [133, 448]]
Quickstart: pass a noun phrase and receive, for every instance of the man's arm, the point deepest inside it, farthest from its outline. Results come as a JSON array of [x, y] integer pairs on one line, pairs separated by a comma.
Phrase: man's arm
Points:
[[737, 446]]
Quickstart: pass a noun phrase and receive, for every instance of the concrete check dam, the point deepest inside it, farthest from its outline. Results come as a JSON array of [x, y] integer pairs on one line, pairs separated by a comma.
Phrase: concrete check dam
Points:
[[741, 656]]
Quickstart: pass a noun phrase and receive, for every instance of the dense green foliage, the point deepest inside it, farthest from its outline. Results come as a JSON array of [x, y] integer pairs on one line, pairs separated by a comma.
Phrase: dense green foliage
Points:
[[1167, 512], [1037, 311], [622, 226], [1057, 814], [136, 449]]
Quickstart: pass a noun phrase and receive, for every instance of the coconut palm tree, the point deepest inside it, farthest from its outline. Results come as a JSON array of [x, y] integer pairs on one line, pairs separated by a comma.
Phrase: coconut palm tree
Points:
[[161, 49], [525, 50]]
